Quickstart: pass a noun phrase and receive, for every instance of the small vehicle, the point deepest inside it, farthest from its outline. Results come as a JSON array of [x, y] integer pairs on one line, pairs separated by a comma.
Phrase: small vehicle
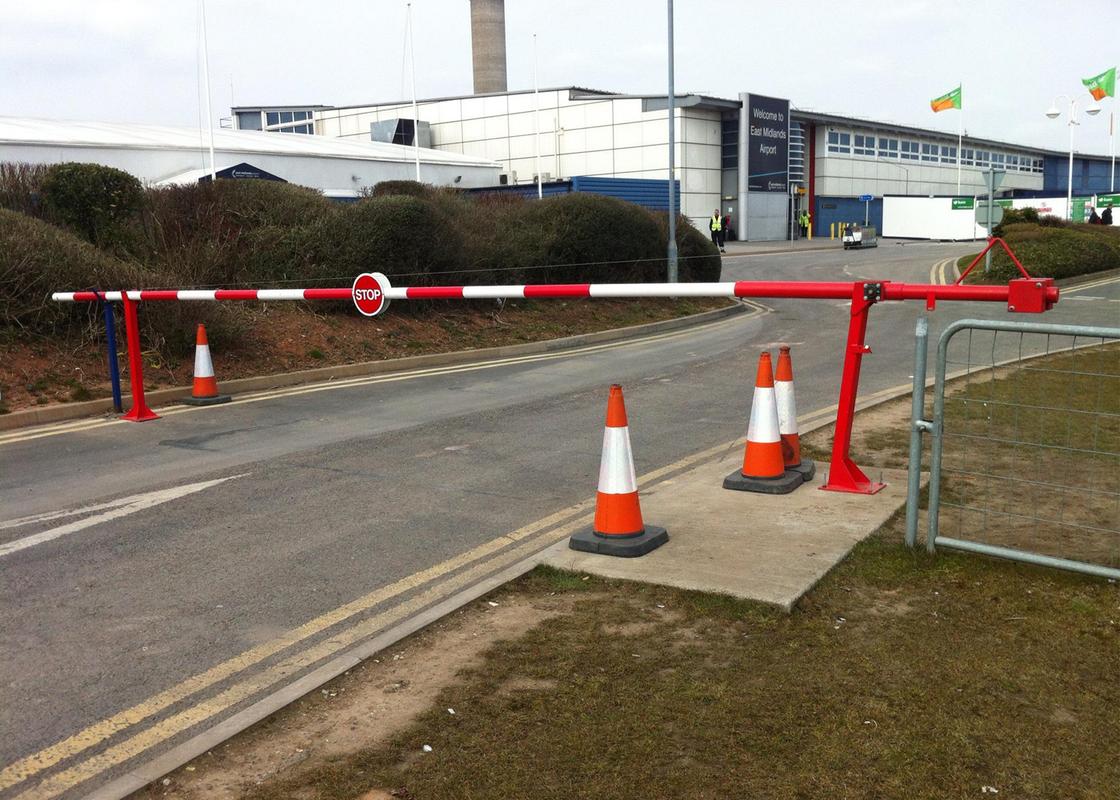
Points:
[[856, 236]]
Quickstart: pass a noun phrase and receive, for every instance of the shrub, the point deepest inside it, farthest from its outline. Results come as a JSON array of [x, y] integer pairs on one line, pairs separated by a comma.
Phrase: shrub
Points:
[[1014, 216], [95, 201], [400, 235], [1057, 251], [587, 238], [37, 258], [698, 258], [230, 232], [21, 187], [389, 188]]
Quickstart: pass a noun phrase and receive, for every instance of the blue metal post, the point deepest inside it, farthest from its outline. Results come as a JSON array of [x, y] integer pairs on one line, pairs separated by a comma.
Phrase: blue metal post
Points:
[[111, 346]]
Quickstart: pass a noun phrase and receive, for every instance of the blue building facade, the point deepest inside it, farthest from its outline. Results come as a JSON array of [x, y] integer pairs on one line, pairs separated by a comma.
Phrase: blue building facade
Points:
[[1090, 175]]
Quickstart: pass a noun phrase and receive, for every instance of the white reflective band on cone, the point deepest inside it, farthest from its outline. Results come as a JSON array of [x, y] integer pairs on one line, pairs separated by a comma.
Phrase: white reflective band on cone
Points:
[[616, 470], [787, 407], [203, 366], [764, 422]]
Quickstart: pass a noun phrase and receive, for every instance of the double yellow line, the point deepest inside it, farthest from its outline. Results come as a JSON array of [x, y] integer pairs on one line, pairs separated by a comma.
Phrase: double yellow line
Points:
[[940, 273], [518, 545]]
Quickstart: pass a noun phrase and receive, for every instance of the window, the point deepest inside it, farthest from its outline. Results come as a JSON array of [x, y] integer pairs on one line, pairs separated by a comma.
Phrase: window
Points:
[[1013, 162], [968, 156], [865, 145], [1039, 165], [983, 157], [839, 142], [888, 148], [929, 152], [998, 160], [249, 120], [909, 150], [948, 154], [272, 118]]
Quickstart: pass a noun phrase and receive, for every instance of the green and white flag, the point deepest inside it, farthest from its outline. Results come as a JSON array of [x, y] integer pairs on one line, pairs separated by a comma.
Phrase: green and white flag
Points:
[[946, 101], [1103, 85]]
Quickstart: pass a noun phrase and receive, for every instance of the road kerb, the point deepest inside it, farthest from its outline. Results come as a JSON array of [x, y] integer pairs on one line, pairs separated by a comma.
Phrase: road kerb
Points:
[[90, 408]]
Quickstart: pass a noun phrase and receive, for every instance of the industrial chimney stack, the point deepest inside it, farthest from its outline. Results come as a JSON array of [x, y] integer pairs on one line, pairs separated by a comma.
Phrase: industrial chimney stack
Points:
[[488, 45]]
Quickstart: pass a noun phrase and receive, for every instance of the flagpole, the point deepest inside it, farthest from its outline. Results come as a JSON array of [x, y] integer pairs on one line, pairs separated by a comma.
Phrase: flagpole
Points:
[[206, 81], [537, 117], [960, 136], [415, 113], [1112, 150]]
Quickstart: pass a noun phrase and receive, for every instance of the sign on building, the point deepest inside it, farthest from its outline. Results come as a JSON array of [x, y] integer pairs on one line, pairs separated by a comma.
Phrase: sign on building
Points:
[[767, 144]]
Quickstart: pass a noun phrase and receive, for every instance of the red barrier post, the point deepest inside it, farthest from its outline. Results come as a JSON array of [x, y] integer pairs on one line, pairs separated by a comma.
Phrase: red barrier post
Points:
[[843, 474], [139, 411]]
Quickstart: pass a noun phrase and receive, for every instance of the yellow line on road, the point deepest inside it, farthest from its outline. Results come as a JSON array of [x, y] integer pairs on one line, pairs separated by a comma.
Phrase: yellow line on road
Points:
[[225, 700], [393, 377], [35, 764], [1090, 285]]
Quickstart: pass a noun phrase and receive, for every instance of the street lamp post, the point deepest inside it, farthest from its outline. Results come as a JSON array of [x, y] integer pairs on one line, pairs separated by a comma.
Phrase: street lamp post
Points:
[[1054, 113], [672, 249]]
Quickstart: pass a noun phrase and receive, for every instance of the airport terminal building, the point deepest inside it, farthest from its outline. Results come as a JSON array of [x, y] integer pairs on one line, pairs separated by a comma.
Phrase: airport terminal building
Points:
[[758, 158]]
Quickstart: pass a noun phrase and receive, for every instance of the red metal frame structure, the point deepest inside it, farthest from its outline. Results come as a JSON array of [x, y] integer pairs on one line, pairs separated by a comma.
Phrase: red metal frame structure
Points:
[[992, 243], [1026, 295]]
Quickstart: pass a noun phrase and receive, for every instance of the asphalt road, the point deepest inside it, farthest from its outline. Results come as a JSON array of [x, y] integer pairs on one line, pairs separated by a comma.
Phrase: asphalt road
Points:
[[205, 556]]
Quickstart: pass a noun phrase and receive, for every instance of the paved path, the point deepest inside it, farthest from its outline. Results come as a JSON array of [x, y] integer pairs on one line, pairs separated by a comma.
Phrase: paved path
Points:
[[218, 553]]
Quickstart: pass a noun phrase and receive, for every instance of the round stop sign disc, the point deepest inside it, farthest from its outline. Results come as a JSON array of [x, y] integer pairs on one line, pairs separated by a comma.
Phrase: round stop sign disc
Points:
[[369, 293]]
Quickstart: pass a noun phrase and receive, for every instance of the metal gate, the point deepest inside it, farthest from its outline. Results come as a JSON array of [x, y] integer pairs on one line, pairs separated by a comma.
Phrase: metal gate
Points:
[[1025, 455]]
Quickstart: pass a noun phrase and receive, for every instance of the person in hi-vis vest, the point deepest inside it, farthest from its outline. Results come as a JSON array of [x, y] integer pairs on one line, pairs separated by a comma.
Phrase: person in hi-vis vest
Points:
[[804, 223], [715, 225]]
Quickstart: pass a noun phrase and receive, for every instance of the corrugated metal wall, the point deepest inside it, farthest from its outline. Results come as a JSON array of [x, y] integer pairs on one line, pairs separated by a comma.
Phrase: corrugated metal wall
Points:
[[650, 193], [844, 209]]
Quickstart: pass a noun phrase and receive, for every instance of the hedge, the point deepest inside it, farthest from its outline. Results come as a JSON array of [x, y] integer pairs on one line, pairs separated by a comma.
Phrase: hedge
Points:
[[37, 258], [260, 233], [96, 201], [1055, 250]]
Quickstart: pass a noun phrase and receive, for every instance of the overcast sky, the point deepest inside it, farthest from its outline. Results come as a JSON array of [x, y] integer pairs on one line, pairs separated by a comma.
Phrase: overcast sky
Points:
[[136, 60]]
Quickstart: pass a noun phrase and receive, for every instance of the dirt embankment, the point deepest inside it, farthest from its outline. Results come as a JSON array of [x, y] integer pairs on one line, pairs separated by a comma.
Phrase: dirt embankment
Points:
[[285, 337]]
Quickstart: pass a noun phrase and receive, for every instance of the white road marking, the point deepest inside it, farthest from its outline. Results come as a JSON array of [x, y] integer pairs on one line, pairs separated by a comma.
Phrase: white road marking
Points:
[[131, 505], [73, 512]]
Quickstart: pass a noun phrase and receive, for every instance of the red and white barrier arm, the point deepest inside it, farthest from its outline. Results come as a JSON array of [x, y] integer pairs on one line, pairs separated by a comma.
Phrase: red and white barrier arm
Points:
[[1042, 289]]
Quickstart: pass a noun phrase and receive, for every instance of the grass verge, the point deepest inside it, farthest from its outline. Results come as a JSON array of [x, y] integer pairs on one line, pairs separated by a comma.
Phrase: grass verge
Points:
[[899, 675]]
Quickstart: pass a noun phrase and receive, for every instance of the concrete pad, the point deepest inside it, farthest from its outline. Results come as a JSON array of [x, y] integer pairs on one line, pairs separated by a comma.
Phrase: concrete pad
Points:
[[772, 548]]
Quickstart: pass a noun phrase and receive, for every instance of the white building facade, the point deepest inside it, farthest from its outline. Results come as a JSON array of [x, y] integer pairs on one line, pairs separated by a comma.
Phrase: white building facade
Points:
[[580, 133]]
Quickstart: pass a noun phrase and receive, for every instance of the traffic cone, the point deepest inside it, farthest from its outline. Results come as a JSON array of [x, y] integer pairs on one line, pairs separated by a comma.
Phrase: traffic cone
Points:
[[787, 417], [763, 466], [618, 528], [205, 390]]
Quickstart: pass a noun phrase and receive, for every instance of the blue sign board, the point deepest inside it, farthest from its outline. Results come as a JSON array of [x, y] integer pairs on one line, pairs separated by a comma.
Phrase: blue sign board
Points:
[[866, 198], [767, 144]]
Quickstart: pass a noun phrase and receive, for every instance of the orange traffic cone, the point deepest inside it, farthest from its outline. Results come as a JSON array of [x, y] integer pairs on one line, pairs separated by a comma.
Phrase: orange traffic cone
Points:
[[787, 416], [763, 466], [205, 390], [618, 528]]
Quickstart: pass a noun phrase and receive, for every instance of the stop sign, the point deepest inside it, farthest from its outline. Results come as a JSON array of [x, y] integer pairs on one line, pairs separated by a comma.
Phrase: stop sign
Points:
[[368, 293]]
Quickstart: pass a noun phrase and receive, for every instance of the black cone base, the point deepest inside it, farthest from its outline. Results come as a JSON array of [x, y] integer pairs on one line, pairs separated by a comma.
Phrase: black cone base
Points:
[[207, 401], [807, 469], [783, 484], [649, 539]]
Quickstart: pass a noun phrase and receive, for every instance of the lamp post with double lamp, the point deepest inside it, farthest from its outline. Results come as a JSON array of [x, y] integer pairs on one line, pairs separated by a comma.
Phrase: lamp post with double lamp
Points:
[[1054, 113]]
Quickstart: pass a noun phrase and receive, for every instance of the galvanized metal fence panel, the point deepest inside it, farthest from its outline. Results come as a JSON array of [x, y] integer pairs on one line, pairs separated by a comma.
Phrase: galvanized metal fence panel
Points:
[[1025, 456]]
